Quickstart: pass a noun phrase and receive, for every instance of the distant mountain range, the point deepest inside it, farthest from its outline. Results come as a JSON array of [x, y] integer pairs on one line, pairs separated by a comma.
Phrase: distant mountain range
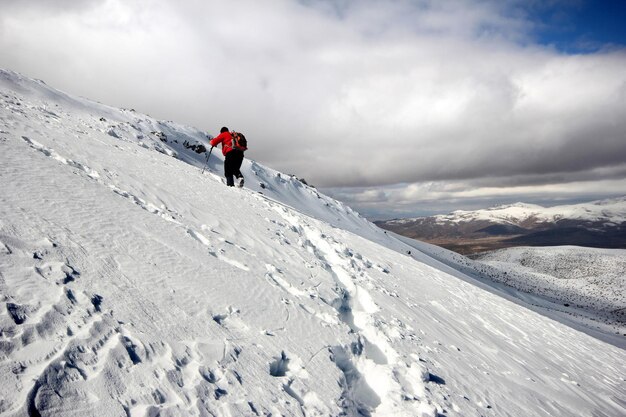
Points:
[[600, 224]]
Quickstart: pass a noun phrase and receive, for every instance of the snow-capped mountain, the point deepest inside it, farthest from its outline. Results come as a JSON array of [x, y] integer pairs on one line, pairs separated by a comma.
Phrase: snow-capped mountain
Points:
[[597, 224], [135, 285], [609, 211]]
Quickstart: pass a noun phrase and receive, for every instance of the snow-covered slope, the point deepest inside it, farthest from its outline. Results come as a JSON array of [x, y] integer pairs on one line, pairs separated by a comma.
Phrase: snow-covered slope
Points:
[[586, 284], [610, 211], [133, 285], [591, 302], [590, 279]]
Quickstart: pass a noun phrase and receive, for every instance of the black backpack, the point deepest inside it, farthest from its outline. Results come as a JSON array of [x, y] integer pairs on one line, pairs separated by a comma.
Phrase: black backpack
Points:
[[239, 141]]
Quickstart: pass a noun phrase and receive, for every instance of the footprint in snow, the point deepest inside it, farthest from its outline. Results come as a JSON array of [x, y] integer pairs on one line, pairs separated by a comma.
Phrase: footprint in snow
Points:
[[280, 365]]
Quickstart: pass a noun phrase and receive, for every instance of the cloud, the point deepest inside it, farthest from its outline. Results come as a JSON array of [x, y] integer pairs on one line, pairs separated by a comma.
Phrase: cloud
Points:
[[426, 198], [344, 93], [47, 6]]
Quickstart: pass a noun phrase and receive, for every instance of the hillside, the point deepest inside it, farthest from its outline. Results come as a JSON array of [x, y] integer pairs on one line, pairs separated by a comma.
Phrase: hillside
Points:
[[134, 285], [600, 224], [587, 279]]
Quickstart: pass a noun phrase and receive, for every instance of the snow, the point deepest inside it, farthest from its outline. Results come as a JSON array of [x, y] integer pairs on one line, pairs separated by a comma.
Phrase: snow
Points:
[[135, 285], [591, 303], [610, 211], [583, 279]]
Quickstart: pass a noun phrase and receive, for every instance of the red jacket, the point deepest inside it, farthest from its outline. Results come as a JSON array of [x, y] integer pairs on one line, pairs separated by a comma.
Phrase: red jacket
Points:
[[225, 139]]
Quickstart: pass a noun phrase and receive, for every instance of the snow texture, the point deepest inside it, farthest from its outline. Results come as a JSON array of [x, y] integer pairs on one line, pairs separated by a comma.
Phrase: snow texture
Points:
[[588, 280], [134, 285]]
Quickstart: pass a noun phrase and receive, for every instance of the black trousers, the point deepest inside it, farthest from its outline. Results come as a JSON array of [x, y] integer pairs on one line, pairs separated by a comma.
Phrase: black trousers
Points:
[[232, 166]]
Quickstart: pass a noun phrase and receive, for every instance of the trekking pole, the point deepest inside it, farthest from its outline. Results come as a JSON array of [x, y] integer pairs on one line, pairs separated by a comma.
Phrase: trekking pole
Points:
[[207, 160]]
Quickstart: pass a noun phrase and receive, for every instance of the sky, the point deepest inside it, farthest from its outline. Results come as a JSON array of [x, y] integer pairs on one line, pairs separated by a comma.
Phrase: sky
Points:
[[399, 108]]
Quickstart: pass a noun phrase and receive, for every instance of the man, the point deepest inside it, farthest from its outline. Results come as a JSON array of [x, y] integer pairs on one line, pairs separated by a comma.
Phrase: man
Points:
[[233, 157]]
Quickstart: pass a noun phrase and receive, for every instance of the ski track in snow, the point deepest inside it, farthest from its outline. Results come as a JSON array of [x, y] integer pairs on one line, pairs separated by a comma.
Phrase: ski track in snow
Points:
[[370, 365], [134, 286]]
